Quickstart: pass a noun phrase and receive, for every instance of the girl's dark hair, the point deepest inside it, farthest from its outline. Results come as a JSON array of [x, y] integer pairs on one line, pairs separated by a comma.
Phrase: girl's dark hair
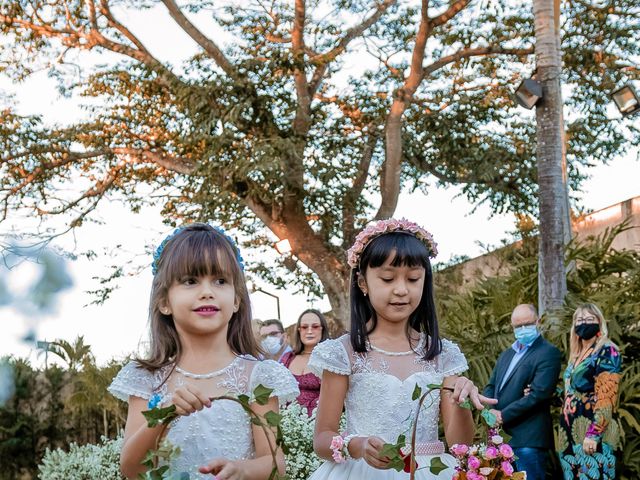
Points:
[[196, 250], [408, 251], [298, 346]]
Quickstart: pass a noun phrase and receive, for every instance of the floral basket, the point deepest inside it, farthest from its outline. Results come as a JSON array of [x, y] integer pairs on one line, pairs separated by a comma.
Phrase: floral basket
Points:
[[490, 461]]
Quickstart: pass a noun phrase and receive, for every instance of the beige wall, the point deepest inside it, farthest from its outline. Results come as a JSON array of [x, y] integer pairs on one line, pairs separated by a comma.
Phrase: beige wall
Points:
[[592, 224]]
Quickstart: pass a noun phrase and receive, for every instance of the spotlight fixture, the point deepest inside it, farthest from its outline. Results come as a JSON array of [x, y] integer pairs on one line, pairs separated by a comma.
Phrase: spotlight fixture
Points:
[[283, 246], [626, 99], [528, 93]]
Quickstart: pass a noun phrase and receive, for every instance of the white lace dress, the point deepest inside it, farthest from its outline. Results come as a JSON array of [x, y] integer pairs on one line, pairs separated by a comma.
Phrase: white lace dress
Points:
[[378, 402], [224, 430]]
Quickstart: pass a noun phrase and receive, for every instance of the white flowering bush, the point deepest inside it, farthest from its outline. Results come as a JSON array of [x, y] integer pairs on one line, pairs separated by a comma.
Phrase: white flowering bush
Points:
[[297, 430], [86, 462]]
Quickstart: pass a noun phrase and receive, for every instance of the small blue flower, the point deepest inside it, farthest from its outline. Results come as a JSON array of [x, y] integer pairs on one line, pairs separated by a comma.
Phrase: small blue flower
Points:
[[154, 401]]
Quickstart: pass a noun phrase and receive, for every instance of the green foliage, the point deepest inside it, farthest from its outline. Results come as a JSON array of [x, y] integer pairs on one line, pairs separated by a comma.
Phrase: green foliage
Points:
[[255, 132], [54, 407], [83, 462], [479, 319]]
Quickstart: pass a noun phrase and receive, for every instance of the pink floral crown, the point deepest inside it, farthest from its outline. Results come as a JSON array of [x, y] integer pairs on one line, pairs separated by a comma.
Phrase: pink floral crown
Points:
[[387, 226]]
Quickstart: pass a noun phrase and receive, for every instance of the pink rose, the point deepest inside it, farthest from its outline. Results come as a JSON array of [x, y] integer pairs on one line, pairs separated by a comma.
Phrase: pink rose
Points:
[[475, 476], [337, 443], [459, 449], [507, 468], [337, 456], [506, 451], [490, 453], [473, 462]]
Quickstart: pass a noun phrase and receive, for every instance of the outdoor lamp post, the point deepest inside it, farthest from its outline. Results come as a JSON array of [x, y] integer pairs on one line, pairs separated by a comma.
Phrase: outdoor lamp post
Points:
[[528, 93], [627, 100], [283, 246], [254, 288]]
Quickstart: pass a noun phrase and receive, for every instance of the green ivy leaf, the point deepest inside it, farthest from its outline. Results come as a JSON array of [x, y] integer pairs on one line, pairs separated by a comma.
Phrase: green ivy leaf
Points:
[[466, 404], [417, 391], [489, 418], [157, 416], [244, 399], [434, 386], [273, 418], [262, 394], [437, 466]]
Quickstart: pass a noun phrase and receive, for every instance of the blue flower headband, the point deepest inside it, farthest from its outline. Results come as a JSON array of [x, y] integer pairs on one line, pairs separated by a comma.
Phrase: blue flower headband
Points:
[[158, 252]]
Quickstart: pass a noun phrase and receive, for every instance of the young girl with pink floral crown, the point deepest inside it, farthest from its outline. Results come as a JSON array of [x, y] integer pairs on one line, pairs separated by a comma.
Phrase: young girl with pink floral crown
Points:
[[393, 346], [202, 346]]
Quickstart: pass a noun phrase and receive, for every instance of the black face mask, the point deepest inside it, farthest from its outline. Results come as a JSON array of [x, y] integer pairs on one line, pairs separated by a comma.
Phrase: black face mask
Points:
[[587, 331]]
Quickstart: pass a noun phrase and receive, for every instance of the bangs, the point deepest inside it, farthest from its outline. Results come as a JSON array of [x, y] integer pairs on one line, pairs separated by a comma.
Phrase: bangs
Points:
[[201, 253], [406, 249]]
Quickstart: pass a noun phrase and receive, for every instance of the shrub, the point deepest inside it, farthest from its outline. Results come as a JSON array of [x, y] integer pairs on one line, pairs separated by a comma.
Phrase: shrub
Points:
[[86, 462]]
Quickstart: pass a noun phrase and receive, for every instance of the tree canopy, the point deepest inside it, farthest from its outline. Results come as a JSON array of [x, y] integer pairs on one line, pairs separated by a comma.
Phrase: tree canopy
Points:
[[307, 117]]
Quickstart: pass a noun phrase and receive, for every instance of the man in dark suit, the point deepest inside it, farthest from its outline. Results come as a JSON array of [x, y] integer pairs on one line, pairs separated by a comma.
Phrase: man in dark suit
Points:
[[524, 380]]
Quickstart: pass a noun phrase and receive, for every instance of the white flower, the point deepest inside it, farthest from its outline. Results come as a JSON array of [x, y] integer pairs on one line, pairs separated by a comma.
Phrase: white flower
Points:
[[497, 439]]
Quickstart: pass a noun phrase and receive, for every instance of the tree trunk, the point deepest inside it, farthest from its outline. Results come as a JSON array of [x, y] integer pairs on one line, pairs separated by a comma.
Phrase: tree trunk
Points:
[[554, 231]]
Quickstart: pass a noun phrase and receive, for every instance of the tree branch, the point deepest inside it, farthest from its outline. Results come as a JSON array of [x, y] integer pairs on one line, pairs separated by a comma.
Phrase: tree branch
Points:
[[208, 45], [323, 60], [392, 166], [302, 120], [473, 52], [359, 182], [451, 12]]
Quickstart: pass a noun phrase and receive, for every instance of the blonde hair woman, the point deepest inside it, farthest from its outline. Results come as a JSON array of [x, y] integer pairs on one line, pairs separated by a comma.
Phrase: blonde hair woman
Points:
[[590, 394]]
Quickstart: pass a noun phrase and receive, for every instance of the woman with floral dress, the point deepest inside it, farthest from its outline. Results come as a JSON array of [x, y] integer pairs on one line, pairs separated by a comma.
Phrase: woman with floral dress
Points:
[[587, 434]]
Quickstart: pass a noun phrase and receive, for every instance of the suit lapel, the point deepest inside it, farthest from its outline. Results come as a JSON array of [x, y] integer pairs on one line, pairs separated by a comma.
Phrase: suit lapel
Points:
[[533, 346], [502, 368]]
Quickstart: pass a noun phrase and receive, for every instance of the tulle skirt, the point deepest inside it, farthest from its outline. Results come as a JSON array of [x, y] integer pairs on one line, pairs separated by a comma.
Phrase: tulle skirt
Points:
[[360, 470]]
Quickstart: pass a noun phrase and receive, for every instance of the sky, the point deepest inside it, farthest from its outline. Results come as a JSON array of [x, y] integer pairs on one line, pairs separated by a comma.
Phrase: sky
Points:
[[118, 327]]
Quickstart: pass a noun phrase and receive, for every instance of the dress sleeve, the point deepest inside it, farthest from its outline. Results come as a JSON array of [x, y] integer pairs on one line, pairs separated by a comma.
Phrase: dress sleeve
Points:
[[330, 355], [606, 379], [452, 361], [132, 380], [277, 377]]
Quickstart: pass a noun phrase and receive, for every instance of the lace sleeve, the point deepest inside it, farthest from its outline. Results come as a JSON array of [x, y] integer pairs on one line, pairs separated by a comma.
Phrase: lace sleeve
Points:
[[132, 380], [452, 360], [330, 355], [273, 375]]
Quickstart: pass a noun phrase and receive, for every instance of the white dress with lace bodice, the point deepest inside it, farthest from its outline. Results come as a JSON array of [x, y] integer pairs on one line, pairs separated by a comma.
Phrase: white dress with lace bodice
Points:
[[224, 429], [379, 401]]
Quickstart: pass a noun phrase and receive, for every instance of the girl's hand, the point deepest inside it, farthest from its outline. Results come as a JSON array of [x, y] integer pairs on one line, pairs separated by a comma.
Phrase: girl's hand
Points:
[[224, 469], [464, 388], [188, 399], [371, 451], [589, 446]]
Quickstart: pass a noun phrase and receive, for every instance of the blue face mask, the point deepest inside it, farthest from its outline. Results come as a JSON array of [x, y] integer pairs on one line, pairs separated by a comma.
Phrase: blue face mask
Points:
[[526, 334]]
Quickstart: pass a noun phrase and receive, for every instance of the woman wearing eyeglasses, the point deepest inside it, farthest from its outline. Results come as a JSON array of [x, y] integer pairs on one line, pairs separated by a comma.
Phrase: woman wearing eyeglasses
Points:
[[587, 435], [310, 330]]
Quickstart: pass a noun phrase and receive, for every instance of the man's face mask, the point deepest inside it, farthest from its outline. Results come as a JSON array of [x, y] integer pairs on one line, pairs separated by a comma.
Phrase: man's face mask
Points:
[[526, 334], [272, 344]]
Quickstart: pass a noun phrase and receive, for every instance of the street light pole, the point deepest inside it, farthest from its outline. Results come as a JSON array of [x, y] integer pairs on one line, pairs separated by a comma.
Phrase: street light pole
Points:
[[258, 289]]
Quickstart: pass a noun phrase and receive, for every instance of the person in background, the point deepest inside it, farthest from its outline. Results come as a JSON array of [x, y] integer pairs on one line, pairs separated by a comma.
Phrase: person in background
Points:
[[524, 380], [273, 339], [590, 394], [311, 329]]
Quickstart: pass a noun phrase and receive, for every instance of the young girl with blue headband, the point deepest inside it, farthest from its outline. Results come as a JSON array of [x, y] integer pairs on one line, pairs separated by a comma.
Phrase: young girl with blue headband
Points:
[[201, 346]]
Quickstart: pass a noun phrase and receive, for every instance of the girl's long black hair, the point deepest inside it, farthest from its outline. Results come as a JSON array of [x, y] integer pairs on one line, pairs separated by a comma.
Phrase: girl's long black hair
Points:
[[410, 252]]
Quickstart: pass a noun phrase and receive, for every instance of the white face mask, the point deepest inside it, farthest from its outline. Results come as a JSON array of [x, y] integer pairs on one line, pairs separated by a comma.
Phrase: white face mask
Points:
[[271, 345]]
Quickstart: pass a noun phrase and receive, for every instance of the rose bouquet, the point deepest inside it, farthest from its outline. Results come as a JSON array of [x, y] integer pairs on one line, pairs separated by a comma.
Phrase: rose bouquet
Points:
[[490, 461]]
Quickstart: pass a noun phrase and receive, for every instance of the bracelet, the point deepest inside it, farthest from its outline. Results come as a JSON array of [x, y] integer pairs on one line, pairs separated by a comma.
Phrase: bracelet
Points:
[[339, 449]]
